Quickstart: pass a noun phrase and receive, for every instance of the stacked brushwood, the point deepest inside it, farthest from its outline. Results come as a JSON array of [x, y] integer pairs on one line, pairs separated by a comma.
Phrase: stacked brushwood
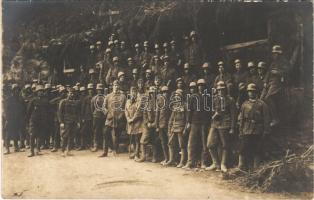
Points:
[[290, 174]]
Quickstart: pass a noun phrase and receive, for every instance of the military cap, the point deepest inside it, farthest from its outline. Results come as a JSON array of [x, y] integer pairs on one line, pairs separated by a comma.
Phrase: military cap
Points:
[[261, 65], [221, 85], [47, 86], [277, 49], [110, 43], [77, 84], [14, 86], [172, 42], [39, 87], [130, 59], [250, 64], [76, 88], [148, 71], [164, 88], [241, 86], [237, 61], [156, 46], [220, 63], [35, 81], [192, 84], [58, 86], [82, 89], [205, 65], [99, 86], [98, 42], [134, 71], [186, 66], [146, 44], [90, 86], [179, 79], [165, 45], [27, 86], [115, 82], [91, 71], [116, 41], [193, 33], [115, 58], [108, 50], [122, 42], [120, 74], [165, 57], [251, 87], [151, 89], [200, 81], [91, 46], [179, 92], [155, 57], [136, 45]]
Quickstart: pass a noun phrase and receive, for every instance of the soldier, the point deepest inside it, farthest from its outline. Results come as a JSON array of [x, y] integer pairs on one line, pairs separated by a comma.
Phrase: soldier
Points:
[[113, 71], [99, 53], [223, 76], [149, 123], [197, 125], [167, 74], [145, 55], [135, 77], [195, 51], [162, 117], [83, 76], [223, 124], [37, 112], [174, 55], [14, 110], [69, 114], [98, 116], [137, 56], [105, 66], [124, 53], [123, 84], [252, 76], [110, 45], [130, 67], [50, 120], [148, 79], [177, 129], [134, 117], [187, 76], [27, 96], [86, 118], [186, 49], [254, 121], [155, 65], [114, 105], [91, 61], [54, 103], [240, 75], [208, 76], [157, 54], [242, 95], [166, 51], [116, 48], [261, 71]]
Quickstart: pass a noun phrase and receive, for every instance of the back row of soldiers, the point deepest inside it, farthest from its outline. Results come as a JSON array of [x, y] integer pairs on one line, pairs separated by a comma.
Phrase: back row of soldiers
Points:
[[98, 120]]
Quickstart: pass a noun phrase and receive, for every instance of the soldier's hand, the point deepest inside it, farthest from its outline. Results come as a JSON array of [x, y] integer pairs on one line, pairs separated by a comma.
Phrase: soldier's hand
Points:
[[188, 126]]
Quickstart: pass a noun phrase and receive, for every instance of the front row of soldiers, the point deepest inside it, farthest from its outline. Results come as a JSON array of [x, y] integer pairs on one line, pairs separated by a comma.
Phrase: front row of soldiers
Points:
[[185, 124]]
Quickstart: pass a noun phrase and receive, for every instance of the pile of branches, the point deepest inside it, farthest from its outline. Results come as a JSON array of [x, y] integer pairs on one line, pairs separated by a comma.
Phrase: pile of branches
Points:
[[290, 174]]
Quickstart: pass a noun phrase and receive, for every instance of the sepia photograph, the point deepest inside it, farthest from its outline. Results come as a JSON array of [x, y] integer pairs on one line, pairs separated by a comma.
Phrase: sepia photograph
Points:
[[149, 99]]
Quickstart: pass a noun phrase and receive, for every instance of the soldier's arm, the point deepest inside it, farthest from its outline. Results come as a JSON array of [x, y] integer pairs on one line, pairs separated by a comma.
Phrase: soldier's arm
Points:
[[171, 121], [233, 113], [61, 111], [126, 112], [266, 118], [108, 76], [30, 108], [240, 118]]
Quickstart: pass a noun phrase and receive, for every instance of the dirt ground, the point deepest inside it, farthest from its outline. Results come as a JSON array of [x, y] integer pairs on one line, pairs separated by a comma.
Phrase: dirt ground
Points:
[[84, 175]]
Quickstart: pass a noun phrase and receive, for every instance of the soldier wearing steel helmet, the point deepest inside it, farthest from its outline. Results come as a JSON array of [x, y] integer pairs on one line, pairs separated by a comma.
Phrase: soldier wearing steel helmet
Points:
[[167, 74], [145, 57], [187, 76], [195, 51], [37, 112], [113, 71], [208, 75], [252, 75], [137, 55], [222, 124], [254, 121]]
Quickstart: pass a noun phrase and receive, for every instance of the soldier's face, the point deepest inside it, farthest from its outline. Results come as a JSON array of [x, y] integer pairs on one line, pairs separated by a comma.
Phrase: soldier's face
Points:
[[186, 71], [275, 56], [173, 47], [252, 70], [179, 85], [71, 95], [90, 92], [99, 91], [200, 88], [193, 38], [133, 92], [221, 92], [157, 81], [166, 63], [238, 66], [205, 71], [122, 46], [221, 69], [148, 75], [115, 88], [260, 71], [192, 90], [130, 63], [116, 62], [252, 94], [134, 75], [121, 78]]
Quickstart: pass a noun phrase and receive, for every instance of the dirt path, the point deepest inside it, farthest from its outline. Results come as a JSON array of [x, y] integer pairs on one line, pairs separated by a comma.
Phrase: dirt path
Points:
[[84, 175]]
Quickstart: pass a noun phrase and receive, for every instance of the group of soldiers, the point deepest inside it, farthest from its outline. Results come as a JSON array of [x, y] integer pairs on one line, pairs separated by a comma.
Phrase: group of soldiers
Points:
[[166, 101]]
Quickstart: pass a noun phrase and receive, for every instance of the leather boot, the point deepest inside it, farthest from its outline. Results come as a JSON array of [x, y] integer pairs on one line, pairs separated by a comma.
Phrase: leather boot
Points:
[[224, 160], [165, 152], [171, 157], [143, 156], [183, 155], [203, 157], [7, 150], [215, 164], [137, 151], [154, 149]]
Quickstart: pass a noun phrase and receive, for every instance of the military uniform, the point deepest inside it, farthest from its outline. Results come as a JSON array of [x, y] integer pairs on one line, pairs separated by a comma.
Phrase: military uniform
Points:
[[98, 120], [115, 121], [86, 114]]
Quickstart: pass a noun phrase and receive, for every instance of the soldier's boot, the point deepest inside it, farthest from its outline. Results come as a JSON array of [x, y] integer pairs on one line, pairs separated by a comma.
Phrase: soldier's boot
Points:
[[131, 154], [7, 150], [241, 164], [143, 156], [203, 160], [32, 152], [171, 157], [188, 165], [16, 146], [183, 155], [215, 164], [224, 160], [257, 161], [154, 158], [32, 146], [164, 150], [137, 152]]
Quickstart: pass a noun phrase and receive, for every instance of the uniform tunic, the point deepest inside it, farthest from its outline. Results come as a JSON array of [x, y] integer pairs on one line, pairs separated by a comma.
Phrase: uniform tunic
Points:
[[132, 111]]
